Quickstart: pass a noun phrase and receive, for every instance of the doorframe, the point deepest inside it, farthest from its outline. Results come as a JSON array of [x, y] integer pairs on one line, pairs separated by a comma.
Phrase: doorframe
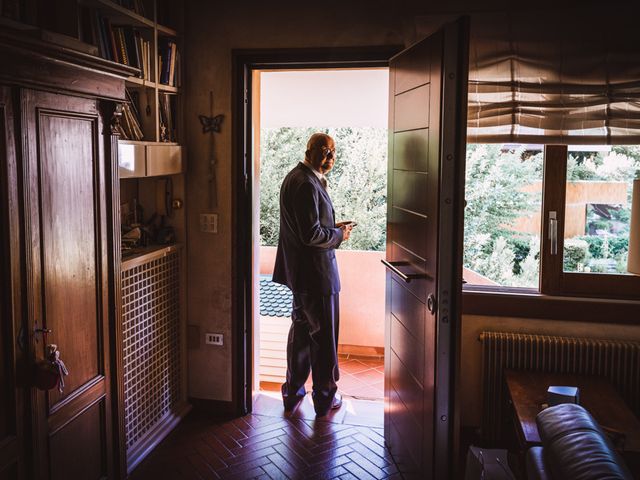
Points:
[[244, 63]]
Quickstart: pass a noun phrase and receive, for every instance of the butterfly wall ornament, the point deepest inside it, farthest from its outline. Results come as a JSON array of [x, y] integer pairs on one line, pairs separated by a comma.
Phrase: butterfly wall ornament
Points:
[[211, 124]]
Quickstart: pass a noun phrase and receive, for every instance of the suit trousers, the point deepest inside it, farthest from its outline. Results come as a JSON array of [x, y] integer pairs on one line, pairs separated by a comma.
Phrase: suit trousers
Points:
[[313, 346]]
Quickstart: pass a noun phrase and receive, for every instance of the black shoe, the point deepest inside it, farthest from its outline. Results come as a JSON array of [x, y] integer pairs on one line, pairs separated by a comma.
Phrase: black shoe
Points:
[[336, 403], [290, 402]]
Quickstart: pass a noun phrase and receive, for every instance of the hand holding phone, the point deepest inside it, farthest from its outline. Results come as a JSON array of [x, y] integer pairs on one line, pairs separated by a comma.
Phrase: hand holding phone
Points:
[[349, 223]]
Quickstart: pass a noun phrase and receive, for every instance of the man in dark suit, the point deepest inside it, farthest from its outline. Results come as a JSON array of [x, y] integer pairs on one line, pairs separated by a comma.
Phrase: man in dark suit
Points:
[[306, 263]]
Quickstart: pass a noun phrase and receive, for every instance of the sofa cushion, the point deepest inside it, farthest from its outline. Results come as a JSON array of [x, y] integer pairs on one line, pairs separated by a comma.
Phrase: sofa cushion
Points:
[[575, 446]]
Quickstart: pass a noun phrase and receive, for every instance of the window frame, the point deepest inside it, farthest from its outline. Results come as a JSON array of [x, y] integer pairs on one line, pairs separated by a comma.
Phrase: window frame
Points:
[[560, 294], [553, 279]]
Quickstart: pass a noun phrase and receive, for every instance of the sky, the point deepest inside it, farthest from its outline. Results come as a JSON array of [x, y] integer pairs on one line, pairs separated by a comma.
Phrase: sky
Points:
[[324, 98]]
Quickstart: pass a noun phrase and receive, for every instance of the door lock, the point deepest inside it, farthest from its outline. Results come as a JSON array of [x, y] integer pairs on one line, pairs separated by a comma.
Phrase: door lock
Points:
[[431, 303]]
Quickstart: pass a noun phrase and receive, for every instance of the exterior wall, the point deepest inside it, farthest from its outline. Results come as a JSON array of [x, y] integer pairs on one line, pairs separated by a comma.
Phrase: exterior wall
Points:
[[362, 277], [578, 195]]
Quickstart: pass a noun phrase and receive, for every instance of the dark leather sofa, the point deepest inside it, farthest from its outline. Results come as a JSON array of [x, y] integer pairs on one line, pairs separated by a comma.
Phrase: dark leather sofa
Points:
[[574, 447]]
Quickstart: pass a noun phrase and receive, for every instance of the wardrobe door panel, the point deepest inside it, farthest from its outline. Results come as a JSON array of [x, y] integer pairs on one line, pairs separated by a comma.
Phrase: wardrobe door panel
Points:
[[67, 262]]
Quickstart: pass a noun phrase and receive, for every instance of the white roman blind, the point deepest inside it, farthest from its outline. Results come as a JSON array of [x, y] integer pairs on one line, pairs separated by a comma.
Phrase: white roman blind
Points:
[[570, 77]]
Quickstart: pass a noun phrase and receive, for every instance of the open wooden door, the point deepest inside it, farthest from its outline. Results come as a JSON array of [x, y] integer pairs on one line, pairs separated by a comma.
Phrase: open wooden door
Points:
[[427, 117]]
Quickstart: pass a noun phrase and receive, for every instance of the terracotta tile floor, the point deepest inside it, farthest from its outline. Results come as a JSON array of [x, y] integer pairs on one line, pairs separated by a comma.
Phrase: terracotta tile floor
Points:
[[269, 443], [360, 377]]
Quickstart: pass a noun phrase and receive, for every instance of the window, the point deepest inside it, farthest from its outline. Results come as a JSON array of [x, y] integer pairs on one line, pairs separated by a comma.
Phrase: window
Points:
[[503, 215], [587, 207], [584, 195]]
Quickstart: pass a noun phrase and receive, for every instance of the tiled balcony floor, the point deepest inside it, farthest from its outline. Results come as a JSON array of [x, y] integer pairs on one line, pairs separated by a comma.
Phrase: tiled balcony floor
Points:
[[360, 377]]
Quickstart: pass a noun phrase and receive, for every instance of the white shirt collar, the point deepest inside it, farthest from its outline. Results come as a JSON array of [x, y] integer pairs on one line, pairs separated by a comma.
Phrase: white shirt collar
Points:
[[319, 175]]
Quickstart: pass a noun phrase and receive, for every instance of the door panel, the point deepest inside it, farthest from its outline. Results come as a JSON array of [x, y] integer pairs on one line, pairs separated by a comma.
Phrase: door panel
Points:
[[67, 262], [69, 269], [411, 358], [426, 145], [407, 228], [404, 429], [411, 71], [411, 191], [11, 357], [411, 150], [407, 117], [87, 430], [408, 310]]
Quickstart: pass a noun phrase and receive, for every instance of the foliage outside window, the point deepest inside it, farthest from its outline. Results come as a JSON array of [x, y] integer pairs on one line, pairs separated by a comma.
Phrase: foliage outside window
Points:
[[502, 216], [599, 188], [357, 183]]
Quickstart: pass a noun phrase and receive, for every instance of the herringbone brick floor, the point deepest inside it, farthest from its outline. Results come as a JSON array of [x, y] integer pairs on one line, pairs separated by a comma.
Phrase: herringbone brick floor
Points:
[[272, 444]]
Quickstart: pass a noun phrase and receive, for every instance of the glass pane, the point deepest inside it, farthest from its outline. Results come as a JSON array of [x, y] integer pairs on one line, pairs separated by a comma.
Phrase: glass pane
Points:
[[503, 192], [598, 208]]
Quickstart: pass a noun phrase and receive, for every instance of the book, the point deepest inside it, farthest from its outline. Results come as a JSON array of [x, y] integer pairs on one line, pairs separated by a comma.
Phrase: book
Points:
[[165, 52], [122, 46], [130, 121], [129, 39], [172, 64], [167, 115], [111, 41]]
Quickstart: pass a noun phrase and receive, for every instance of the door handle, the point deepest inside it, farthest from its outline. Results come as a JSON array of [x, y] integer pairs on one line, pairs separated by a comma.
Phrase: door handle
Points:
[[432, 303], [553, 232], [407, 277]]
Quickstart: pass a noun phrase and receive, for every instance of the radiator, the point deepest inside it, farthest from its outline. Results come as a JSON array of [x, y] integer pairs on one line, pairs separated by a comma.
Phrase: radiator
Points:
[[616, 361], [151, 344]]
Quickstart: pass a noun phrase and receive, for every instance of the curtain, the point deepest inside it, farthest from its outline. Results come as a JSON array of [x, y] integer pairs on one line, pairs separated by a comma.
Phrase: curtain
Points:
[[570, 77]]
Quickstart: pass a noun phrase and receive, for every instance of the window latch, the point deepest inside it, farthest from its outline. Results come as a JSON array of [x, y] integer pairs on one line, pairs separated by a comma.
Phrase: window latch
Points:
[[553, 232]]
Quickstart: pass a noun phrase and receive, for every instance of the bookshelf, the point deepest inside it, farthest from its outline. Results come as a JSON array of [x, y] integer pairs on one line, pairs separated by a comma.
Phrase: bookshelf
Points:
[[129, 32]]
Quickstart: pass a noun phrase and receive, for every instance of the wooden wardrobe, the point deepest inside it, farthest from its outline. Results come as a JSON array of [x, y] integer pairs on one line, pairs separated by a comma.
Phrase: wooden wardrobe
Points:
[[59, 259]]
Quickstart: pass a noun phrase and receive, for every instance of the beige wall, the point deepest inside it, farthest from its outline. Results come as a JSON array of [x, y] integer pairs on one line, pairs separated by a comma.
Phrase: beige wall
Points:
[[212, 30], [471, 366]]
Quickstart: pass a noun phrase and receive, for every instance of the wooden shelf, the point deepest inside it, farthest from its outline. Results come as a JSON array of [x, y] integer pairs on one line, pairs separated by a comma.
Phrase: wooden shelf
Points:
[[147, 142], [144, 254], [135, 82], [167, 88], [166, 31], [119, 13]]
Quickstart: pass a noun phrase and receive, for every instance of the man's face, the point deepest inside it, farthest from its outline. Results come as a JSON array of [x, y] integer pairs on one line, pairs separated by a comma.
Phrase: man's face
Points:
[[323, 155]]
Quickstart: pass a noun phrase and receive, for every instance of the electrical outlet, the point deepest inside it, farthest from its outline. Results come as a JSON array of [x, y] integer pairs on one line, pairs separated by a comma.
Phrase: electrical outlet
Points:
[[209, 222], [213, 339]]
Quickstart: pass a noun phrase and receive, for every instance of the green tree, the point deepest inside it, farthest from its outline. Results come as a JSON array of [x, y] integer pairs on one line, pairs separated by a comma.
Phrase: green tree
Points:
[[496, 196]]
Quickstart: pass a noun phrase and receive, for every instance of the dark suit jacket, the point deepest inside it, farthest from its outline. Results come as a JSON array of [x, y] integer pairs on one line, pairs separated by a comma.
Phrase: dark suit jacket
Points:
[[306, 260]]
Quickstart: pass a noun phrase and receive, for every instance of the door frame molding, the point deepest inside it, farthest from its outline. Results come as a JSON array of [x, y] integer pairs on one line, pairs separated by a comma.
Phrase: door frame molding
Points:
[[244, 63], [455, 69]]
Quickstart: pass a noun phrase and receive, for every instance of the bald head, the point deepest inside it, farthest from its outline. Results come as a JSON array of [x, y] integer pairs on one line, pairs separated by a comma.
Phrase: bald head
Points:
[[321, 152]]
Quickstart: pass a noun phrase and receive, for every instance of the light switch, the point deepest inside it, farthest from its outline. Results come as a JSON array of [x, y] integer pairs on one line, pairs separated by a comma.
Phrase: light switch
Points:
[[209, 222], [214, 339]]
